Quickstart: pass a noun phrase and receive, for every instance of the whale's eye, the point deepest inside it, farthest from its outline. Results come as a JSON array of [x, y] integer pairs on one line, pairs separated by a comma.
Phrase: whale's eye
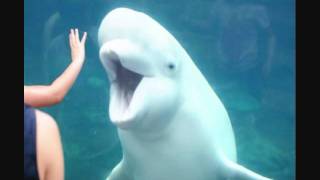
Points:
[[171, 66]]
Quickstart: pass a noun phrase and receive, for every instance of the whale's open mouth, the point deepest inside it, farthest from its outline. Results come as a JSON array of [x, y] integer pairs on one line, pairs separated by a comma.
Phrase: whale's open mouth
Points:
[[128, 72], [127, 82], [124, 84]]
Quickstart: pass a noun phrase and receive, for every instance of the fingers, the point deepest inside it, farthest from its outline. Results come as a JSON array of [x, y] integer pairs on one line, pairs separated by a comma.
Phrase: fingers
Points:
[[77, 36], [71, 38], [84, 38], [74, 37]]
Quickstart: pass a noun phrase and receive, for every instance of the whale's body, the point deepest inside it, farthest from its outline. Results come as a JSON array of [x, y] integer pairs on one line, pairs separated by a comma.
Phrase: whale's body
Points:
[[171, 123]]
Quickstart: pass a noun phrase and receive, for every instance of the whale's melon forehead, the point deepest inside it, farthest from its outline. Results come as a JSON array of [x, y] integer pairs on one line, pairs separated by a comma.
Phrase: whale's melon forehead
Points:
[[129, 24]]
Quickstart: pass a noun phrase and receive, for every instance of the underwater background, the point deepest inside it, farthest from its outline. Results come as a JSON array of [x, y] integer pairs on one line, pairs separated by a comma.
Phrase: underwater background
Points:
[[244, 48]]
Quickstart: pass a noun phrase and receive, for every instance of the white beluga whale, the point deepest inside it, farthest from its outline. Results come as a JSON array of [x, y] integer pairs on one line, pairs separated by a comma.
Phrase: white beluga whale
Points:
[[171, 124]]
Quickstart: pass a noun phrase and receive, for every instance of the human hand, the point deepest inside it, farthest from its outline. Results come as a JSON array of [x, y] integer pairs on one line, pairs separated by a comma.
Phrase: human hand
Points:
[[77, 47]]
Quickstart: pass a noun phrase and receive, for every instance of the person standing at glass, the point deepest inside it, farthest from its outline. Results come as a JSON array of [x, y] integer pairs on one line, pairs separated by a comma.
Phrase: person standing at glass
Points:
[[43, 152]]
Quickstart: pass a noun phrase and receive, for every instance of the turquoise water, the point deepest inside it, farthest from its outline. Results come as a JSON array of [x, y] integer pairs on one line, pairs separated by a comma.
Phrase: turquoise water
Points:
[[245, 49]]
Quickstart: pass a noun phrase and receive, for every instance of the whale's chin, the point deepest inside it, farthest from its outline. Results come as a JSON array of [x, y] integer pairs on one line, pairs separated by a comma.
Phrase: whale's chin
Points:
[[123, 88]]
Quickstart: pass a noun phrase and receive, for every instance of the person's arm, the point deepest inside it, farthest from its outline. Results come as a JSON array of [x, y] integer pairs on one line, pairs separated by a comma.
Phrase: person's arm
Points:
[[40, 96]]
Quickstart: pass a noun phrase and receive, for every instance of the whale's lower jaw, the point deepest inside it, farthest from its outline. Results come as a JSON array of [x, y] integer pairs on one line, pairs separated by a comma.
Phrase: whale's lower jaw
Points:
[[124, 124], [123, 116]]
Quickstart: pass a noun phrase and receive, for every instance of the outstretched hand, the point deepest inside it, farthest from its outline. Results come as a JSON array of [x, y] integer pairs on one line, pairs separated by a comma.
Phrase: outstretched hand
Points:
[[77, 46], [42, 96]]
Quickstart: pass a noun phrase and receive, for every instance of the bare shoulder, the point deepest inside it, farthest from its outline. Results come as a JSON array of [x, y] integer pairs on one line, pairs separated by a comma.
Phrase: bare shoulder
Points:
[[46, 123], [47, 128], [49, 146]]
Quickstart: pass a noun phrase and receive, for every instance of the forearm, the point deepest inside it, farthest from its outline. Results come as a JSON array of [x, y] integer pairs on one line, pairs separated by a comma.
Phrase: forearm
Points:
[[41, 96], [64, 82]]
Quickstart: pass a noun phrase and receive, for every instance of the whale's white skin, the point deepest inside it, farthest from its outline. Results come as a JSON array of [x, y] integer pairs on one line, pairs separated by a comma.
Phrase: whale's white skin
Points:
[[171, 124]]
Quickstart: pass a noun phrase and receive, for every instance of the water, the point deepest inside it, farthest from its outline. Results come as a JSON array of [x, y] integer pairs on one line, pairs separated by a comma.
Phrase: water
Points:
[[245, 49]]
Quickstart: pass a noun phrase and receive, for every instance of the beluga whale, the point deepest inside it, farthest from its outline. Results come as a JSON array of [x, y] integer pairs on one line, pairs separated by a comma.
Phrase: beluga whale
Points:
[[171, 124]]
